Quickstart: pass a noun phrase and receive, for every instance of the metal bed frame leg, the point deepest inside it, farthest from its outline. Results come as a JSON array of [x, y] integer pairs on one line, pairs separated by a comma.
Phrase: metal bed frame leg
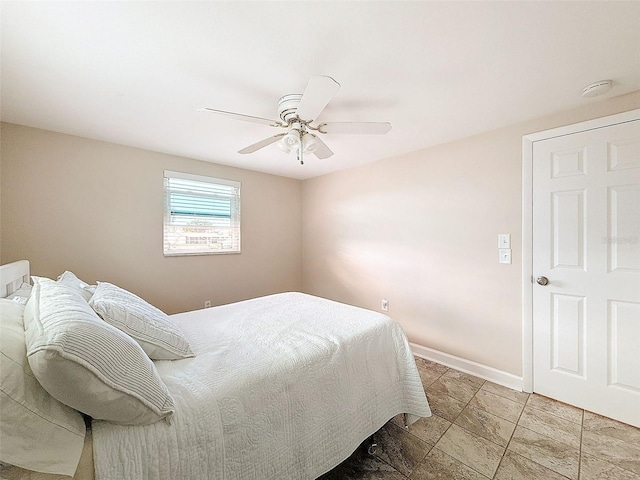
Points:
[[373, 446]]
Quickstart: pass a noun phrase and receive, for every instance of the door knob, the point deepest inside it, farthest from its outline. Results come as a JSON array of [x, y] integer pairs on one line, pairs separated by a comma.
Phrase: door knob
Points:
[[542, 281]]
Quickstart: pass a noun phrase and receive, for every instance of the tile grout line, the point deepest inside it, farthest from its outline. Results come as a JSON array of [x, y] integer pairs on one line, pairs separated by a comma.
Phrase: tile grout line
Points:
[[432, 413], [633, 472], [406, 430], [465, 405], [517, 424], [544, 435], [533, 407], [472, 433], [511, 436], [580, 450], [550, 438], [554, 439], [450, 422]]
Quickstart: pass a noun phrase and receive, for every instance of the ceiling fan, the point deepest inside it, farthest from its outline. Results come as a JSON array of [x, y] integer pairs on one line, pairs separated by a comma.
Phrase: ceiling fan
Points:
[[297, 112]]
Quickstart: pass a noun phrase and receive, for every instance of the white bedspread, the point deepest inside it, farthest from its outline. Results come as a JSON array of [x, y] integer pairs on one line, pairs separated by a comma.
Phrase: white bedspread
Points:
[[282, 387]]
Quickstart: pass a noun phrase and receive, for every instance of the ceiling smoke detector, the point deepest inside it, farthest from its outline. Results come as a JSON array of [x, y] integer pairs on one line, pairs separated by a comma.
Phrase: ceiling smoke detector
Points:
[[598, 88]]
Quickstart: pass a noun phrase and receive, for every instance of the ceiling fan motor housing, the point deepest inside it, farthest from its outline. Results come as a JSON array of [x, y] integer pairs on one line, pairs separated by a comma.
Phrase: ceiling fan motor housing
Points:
[[287, 106]]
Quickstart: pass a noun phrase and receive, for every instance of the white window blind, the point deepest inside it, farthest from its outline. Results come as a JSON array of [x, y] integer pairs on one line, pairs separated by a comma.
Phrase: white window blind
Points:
[[201, 215]]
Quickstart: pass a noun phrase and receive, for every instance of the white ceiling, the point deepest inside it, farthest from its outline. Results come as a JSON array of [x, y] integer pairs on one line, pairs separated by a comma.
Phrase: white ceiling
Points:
[[135, 73]]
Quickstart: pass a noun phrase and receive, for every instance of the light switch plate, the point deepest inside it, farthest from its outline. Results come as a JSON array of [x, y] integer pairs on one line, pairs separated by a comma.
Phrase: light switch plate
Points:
[[504, 240], [505, 255]]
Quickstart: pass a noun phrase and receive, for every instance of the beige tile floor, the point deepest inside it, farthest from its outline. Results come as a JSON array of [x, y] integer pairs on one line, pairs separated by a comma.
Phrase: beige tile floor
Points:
[[480, 430]]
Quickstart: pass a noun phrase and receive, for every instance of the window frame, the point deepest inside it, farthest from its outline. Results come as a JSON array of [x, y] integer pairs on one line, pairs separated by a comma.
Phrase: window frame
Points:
[[191, 248]]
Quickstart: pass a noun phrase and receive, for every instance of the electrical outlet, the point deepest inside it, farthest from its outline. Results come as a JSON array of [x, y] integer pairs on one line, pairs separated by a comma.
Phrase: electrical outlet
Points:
[[207, 304], [384, 305]]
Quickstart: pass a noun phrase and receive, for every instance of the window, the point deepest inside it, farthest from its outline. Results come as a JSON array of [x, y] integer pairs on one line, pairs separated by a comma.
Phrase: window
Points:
[[201, 215]]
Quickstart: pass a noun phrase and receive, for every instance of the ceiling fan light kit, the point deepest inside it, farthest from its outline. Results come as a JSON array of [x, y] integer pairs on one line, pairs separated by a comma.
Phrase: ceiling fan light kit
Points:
[[297, 112], [309, 143], [291, 141]]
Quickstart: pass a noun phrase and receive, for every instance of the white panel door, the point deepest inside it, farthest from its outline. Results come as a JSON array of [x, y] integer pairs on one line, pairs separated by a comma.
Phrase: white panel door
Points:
[[586, 243]]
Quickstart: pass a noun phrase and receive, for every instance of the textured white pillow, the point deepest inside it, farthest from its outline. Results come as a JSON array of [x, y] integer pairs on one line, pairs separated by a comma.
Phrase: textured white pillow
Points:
[[88, 364], [149, 326], [68, 278], [38, 432]]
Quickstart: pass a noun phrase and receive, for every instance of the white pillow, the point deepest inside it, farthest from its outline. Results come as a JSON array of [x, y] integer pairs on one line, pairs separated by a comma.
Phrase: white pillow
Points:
[[68, 278], [88, 364], [38, 432], [21, 295], [149, 326]]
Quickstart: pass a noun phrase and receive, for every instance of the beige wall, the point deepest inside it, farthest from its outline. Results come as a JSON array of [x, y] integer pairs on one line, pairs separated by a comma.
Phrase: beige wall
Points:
[[96, 209], [421, 230]]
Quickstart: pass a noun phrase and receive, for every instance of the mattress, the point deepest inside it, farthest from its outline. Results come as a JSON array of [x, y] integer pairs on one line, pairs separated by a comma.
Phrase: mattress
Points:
[[281, 387]]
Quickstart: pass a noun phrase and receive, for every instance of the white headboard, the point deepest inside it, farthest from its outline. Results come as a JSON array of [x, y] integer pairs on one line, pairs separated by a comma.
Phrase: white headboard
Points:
[[12, 275]]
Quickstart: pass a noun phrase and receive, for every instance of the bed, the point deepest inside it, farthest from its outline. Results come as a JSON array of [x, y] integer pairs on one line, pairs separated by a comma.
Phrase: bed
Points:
[[284, 386]]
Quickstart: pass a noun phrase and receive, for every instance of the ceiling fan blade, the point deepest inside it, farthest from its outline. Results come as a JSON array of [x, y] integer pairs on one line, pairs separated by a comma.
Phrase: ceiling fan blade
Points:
[[320, 90], [245, 118], [322, 151], [262, 143], [367, 128]]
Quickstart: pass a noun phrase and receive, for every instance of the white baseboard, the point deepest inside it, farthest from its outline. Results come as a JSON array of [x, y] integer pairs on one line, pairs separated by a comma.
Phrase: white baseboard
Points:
[[488, 373]]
